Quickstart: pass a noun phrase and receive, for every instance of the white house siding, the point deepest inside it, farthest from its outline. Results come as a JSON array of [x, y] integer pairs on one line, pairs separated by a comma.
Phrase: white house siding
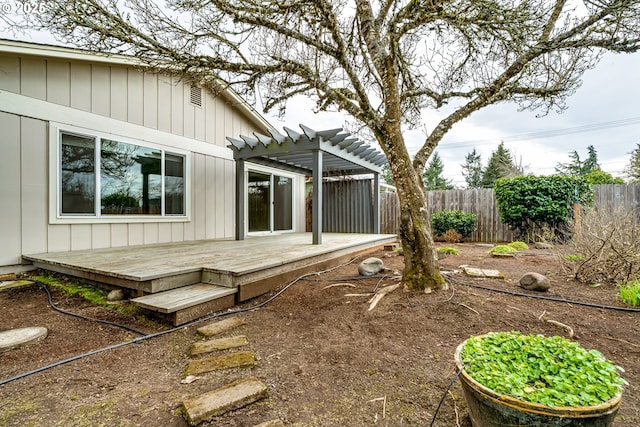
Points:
[[128, 95]]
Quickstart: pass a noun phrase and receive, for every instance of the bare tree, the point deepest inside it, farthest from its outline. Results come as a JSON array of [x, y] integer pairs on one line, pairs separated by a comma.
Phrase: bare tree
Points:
[[384, 62]]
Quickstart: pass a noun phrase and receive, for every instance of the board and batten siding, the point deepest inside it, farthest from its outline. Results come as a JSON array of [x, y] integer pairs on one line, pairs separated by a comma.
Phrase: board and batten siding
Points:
[[130, 96]]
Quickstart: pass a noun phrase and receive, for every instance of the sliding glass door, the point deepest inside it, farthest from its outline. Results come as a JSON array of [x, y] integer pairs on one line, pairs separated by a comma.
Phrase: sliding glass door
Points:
[[270, 202]]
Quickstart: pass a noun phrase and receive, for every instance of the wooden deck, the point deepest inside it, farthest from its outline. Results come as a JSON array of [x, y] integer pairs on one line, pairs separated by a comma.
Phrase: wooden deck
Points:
[[252, 266]]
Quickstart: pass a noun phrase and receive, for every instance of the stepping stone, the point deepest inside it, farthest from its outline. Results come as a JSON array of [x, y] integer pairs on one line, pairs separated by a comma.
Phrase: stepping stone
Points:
[[15, 284], [242, 359], [478, 272], [17, 337], [221, 326], [232, 396], [218, 344]]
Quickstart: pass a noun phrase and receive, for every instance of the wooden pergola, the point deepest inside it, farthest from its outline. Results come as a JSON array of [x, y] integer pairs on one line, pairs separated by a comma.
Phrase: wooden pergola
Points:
[[313, 153]]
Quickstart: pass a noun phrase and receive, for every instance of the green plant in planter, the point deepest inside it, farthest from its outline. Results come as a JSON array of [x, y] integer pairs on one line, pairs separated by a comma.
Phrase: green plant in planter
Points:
[[551, 371]]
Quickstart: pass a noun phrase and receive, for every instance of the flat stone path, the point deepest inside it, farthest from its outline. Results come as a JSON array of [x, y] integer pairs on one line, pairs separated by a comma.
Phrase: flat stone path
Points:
[[231, 396], [18, 337], [218, 344]]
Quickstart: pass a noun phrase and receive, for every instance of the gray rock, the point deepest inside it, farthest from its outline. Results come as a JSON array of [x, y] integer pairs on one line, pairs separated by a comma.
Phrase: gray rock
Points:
[[370, 266], [542, 245], [115, 295], [535, 282]]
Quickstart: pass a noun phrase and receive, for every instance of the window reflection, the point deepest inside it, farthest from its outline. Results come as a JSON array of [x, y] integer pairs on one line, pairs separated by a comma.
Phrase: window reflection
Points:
[[174, 185], [77, 174], [131, 178]]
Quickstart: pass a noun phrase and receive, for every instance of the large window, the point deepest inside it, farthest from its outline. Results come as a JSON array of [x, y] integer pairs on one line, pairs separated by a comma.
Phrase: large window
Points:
[[101, 176]]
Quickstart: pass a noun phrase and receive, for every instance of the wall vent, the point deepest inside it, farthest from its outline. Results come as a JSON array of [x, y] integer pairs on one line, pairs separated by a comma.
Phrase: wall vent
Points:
[[196, 96]]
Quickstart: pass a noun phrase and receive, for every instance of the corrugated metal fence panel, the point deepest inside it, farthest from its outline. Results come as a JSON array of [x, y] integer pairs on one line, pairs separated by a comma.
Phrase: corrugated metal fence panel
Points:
[[347, 206]]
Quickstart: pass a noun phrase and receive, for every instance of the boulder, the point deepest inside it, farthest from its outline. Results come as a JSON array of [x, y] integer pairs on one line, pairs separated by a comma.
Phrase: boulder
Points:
[[115, 295], [370, 266], [542, 245], [535, 282]]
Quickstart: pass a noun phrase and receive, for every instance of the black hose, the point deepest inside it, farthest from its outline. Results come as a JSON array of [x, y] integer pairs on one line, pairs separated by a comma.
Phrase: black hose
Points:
[[80, 316], [168, 331], [543, 297], [444, 395]]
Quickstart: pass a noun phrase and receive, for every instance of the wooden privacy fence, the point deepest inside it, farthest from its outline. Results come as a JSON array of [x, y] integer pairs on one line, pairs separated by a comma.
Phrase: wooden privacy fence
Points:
[[482, 202]]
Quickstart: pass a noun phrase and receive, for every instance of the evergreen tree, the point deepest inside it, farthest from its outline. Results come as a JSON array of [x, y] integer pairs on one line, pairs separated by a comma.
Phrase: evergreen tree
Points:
[[432, 176], [598, 176], [500, 165], [633, 168], [386, 175], [472, 169], [578, 167]]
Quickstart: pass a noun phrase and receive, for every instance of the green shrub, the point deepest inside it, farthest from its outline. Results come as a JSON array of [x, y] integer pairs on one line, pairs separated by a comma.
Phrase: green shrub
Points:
[[519, 246], [448, 250], [462, 222], [573, 258], [630, 293], [502, 250], [542, 201], [552, 371]]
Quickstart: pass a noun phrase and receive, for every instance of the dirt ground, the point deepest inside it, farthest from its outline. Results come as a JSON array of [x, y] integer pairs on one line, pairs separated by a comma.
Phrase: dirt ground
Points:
[[326, 360]]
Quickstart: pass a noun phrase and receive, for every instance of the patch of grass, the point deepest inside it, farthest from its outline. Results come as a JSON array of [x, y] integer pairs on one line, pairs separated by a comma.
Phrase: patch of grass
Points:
[[94, 294], [630, 293], [98, 414], [448, 250], [502, 250], [16, 408], [90, 293], [519, 246], [575, 258]]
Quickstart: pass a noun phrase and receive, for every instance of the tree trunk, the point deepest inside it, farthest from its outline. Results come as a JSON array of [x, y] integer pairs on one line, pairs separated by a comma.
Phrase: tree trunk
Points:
[[421, 270]]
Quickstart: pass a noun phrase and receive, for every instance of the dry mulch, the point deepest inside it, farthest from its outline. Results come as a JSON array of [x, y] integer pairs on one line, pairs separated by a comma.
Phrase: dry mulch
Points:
[[326, 359]]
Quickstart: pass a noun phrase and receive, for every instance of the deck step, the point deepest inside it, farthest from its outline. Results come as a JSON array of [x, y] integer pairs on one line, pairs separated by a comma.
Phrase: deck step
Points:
[[187, 303]]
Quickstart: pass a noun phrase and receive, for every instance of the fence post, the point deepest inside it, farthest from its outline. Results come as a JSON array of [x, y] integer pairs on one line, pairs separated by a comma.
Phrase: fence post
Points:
[[577, 221]]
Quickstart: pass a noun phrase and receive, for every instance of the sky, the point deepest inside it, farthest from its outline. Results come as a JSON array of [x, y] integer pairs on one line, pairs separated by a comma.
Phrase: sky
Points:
[[604, 112]]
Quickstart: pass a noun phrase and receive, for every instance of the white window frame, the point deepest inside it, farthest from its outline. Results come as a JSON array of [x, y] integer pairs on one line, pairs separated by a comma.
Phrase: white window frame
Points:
[[55, 193]]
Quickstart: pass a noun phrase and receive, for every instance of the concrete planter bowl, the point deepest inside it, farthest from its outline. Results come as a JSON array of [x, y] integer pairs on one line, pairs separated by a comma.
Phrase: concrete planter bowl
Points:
[[490, 409]]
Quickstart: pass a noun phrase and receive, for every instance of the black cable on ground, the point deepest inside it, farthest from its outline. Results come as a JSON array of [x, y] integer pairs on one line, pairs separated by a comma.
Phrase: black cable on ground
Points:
[[543, 297], [168, 331], [352, 279], [433, 420], [80, 316]]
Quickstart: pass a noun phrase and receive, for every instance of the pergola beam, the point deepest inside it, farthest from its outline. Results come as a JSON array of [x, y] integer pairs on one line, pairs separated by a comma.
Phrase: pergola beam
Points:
[[312, 153]]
